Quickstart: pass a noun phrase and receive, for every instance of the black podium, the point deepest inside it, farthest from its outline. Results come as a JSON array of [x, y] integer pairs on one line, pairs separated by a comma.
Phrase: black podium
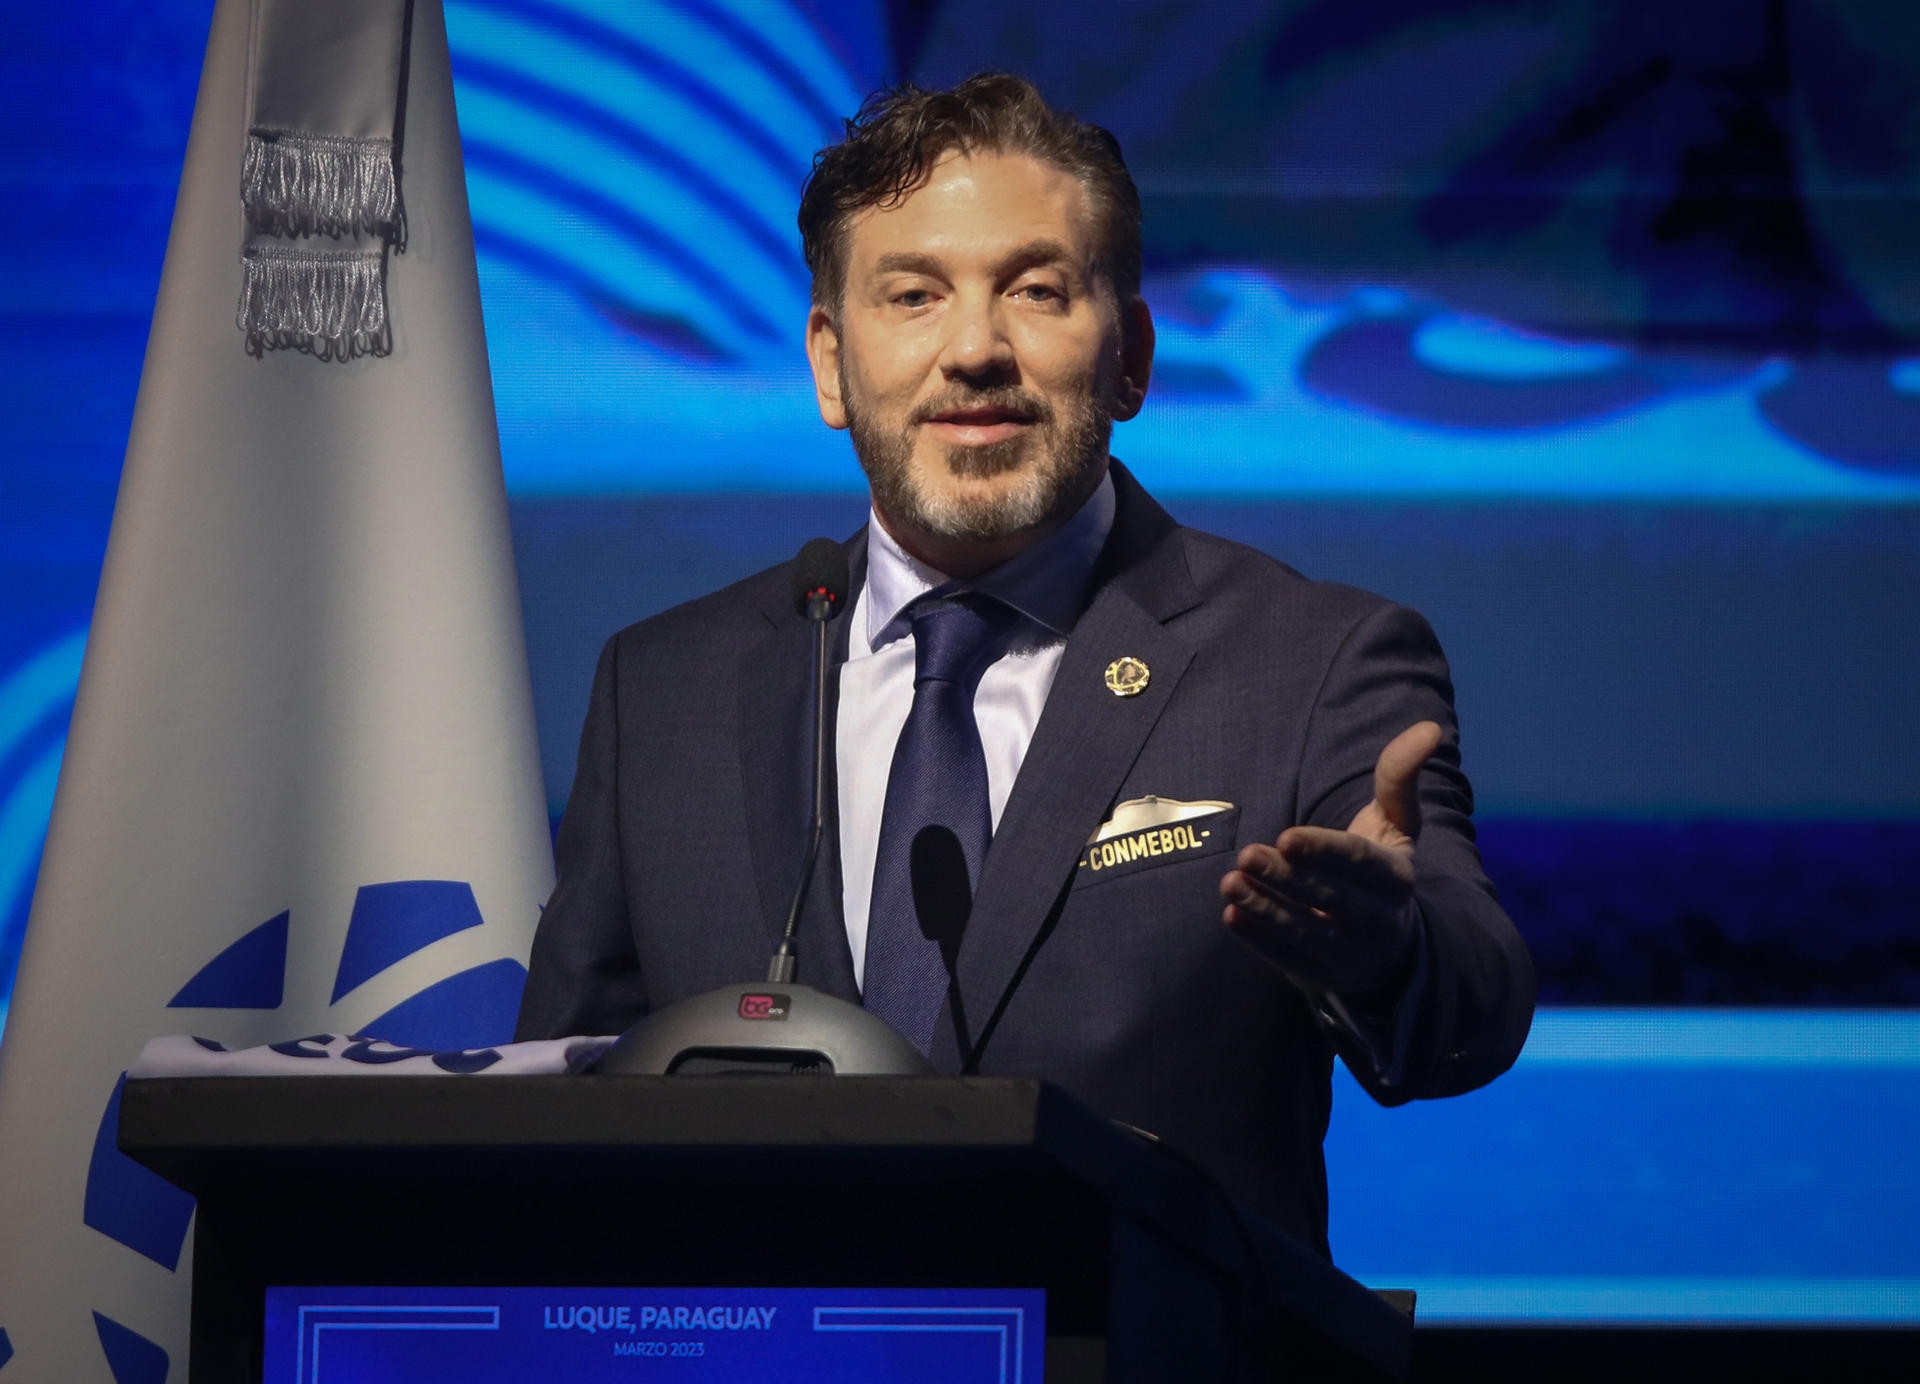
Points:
[[1150, 1272]]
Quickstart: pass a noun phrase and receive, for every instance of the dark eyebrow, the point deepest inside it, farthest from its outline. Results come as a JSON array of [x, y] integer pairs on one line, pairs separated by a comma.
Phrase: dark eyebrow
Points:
[[1034, 252], [907, 262], [1037, 252]]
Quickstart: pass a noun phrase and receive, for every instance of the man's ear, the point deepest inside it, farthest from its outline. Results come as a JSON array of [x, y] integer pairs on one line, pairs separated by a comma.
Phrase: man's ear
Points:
[[823, 354], [1136, 358]]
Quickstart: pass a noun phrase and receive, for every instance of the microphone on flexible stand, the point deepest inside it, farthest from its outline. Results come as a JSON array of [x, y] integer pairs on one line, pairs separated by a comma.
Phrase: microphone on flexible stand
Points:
[[820, 581], [753, 1028]]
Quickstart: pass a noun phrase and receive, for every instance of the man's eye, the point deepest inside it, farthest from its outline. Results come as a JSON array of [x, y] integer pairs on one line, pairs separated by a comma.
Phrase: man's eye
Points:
[[1040, 293], [913, 298]]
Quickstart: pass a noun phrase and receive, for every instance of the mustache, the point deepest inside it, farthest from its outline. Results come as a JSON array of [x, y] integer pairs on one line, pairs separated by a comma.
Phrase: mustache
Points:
[[999, 398]]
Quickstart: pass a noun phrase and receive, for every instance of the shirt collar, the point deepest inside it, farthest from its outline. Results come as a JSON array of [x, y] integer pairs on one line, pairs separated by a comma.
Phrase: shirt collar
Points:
[[1047, 582]]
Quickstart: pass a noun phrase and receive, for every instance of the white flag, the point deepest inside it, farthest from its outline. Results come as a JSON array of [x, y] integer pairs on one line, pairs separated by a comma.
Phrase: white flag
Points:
[[301, 792]]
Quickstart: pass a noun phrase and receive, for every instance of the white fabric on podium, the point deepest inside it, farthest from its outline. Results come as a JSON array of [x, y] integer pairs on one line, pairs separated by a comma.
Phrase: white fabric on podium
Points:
[[333, 1054]]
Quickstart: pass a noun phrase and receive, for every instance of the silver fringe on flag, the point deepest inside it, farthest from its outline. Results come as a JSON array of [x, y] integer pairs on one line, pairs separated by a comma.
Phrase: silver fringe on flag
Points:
[[329, 302], [296, 184]]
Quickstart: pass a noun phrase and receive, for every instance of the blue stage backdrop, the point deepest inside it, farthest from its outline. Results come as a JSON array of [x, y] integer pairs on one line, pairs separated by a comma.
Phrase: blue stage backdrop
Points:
[[1591, 331]]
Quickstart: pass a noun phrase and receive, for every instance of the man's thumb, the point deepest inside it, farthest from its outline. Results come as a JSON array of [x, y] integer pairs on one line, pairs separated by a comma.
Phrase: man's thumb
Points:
[[1396, 777]]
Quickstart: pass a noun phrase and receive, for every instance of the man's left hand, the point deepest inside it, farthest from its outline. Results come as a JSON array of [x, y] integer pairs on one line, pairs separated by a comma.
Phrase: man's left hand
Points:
[[1334, 909]]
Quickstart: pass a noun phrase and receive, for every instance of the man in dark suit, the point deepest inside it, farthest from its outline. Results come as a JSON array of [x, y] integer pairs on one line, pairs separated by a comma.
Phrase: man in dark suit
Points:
[[1121, 804]]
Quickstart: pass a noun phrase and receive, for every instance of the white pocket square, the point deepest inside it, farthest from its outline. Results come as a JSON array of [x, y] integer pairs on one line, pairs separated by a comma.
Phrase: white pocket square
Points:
[[1137, 814]]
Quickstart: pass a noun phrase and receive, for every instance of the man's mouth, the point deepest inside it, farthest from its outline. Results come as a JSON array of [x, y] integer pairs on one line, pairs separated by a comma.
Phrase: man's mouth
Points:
[[976, 427]]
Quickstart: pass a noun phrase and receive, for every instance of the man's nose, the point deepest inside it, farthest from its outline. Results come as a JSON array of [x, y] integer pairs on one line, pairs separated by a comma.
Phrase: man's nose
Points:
[[977, 344]]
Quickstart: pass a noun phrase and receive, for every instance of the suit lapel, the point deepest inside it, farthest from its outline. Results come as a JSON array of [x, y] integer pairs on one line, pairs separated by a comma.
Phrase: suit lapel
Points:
[[1086, 741], [773, 678]]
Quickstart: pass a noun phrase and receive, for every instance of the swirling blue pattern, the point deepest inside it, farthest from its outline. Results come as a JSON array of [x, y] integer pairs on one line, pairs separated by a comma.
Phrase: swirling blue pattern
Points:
[[648, 158], [35, 698]]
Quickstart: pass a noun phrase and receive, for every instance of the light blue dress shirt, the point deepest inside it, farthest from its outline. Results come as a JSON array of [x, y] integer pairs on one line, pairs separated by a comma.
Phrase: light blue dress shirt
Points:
[[1049, 585]]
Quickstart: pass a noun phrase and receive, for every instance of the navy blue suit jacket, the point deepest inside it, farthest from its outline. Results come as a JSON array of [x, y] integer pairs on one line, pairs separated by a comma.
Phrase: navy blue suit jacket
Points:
[[682, 845]]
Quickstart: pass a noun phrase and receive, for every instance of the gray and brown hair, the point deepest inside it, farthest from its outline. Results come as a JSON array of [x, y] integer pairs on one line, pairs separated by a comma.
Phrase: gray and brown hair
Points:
[[900, 133]]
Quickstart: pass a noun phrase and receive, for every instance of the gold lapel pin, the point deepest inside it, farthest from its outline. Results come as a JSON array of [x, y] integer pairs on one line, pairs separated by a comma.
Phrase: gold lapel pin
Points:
[[1127, 677]]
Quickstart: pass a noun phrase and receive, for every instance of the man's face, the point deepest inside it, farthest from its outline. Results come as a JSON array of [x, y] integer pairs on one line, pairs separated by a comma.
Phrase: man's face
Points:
[[979, 358]]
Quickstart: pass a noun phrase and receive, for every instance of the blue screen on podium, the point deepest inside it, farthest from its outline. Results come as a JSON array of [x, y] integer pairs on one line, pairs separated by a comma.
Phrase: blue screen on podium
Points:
[[414, 1335]]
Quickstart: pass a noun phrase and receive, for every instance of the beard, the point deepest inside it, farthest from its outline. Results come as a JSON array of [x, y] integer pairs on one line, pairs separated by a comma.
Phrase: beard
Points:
[[1054, 460]]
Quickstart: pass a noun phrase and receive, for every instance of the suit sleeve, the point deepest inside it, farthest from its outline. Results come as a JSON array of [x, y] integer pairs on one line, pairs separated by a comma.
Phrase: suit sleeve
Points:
[[1466, 1013], [584, 976]]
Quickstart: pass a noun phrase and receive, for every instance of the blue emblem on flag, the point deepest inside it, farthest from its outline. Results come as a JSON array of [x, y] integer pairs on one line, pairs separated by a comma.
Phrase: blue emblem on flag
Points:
[[470, 1009]]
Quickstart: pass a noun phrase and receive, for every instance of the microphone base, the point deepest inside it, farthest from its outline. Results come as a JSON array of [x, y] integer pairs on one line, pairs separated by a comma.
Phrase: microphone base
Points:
[[766, 1030]]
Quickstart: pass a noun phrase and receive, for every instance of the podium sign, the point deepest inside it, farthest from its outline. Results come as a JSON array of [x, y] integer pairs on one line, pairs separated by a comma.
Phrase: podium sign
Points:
[[322, 1335]]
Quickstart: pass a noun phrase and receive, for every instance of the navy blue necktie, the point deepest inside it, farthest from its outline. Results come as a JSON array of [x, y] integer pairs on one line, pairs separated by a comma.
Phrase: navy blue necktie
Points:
[[934, 832]]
